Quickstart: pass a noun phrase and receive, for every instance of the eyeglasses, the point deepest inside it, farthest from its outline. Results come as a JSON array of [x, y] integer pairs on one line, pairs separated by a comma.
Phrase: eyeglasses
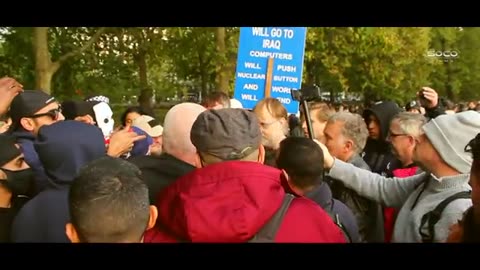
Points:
[[54, 114], [393, 135]]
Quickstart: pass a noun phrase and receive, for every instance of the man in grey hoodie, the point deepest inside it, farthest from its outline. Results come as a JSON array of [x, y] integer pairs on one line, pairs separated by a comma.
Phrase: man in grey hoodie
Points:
[[440, 152]]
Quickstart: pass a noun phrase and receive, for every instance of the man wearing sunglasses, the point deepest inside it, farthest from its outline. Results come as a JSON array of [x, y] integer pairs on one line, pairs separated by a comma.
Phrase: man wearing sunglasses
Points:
[[30, 110]]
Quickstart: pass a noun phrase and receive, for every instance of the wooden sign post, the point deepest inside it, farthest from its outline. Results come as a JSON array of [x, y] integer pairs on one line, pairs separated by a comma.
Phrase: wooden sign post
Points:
[[269, 77]]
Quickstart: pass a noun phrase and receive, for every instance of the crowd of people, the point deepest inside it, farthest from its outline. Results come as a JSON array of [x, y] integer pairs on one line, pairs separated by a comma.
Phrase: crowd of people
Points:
[[216, 172]]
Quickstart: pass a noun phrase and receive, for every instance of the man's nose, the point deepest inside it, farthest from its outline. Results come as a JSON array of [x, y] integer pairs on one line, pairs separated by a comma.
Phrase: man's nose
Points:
[[61, 117]]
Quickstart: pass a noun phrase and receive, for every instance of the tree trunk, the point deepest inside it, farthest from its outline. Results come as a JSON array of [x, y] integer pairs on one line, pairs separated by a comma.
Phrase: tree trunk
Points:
[[43, 73], [203, 72], [310, 76], [44, 67], [222, 78], [146, 93], [448, 73]]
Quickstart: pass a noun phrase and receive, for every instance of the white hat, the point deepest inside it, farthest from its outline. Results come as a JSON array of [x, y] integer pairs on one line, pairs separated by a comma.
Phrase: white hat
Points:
[[235, 104], [149, 125], [449, 134]]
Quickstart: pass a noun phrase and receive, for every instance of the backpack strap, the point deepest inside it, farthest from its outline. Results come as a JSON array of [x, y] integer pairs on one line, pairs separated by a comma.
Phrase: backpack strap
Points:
[[336, 219], [268, 231], [431, 218]]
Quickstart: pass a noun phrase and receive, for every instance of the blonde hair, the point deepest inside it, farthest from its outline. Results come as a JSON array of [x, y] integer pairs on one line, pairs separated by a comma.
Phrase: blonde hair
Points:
[[322, 111], [274, 107]]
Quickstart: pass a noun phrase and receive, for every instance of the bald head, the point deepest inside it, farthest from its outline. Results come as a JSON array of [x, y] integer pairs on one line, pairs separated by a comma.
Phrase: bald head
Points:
[[176, 129]]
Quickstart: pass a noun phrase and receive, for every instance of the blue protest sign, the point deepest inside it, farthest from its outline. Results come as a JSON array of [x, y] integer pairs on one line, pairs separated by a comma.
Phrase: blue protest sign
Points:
[[286, 45]]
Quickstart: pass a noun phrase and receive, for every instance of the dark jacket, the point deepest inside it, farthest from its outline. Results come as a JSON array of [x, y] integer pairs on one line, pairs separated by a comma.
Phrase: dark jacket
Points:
[[270, 157], [26, 140], [159, 172], [323, 196], [63, 148], [378, 153], [368, 213], [7, 216]]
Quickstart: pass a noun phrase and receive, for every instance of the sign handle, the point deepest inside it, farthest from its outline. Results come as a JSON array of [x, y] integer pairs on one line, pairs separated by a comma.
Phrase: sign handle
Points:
[[268, 81]]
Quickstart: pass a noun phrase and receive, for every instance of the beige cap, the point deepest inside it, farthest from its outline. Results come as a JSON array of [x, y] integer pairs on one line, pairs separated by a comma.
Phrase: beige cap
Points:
[[149, 125]]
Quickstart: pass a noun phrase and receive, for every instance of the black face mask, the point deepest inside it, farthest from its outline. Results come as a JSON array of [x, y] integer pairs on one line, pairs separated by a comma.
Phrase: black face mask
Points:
[[20, 182]]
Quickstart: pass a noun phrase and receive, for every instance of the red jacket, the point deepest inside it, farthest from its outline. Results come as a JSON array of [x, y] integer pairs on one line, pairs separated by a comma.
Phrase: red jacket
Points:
[[230, 202], [390, 213]]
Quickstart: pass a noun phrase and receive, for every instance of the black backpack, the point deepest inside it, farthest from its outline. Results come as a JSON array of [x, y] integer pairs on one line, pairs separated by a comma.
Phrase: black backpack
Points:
[[431, 218], [268, 232]]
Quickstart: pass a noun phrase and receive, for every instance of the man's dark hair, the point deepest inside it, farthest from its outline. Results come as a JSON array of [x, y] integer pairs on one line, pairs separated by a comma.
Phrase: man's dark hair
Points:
[[302, 159], [470, 225], [218, 96], [474, 147], [109, 202], [136, 109]]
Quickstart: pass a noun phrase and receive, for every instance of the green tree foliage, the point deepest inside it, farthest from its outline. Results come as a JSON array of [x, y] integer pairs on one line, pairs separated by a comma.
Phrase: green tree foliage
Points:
[[377, 63]]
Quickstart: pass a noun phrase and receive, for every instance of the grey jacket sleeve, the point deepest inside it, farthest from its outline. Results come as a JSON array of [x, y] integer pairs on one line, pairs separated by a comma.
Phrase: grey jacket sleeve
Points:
[[452, 213], [390, 192]]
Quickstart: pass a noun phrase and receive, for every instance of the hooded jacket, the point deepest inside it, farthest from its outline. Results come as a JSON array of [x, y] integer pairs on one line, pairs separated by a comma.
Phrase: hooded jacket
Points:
[[159, 172], [230, 202], [63, 148], [26, 139], [377, 153]]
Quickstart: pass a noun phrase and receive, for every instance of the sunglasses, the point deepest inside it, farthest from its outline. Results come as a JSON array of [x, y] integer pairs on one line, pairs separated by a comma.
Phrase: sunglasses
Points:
[[54, 114]]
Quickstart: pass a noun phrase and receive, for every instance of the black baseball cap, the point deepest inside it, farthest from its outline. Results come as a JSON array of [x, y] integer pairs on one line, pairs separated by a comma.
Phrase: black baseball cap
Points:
[[27, 103]]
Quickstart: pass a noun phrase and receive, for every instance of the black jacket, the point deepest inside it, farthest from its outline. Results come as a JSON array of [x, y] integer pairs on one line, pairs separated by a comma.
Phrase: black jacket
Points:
[[368, 213], [378, 153], [6, 218], [159, 172]]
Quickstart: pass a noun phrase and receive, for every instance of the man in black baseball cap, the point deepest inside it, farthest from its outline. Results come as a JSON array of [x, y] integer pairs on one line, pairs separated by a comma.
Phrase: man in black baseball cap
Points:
[[30, 110]]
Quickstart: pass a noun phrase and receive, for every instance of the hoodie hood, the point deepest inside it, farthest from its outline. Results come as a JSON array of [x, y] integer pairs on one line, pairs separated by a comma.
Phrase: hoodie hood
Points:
[[224, 202], [22, 134], [384, 111], [322, 195], [66, 146]]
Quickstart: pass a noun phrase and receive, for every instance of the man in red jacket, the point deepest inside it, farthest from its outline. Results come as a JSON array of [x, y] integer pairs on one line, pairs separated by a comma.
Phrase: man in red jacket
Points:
[[233, 196]]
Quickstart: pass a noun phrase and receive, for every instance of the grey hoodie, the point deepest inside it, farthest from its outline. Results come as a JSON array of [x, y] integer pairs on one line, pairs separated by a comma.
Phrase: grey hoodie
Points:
[[403, 192]]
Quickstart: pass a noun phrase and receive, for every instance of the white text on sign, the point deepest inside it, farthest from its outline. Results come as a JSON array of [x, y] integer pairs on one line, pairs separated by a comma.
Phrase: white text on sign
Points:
[[249, 97], [280, 89], [277, 78], [284, 100], [273, 33], [251, 75], [276, 55], [252, 65], [287, 68], [250, 86]]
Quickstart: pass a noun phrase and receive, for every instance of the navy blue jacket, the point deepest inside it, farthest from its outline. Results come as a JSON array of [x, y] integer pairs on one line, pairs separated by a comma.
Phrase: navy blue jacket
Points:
[[322, 195], [26, 139], [63, 148]]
